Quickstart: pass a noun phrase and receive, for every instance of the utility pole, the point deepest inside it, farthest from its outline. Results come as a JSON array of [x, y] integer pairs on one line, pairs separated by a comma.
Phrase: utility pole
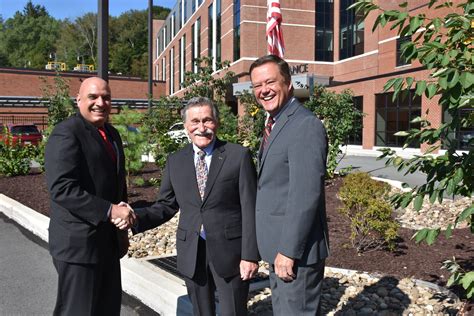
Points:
[[103, 39], [150, 53]]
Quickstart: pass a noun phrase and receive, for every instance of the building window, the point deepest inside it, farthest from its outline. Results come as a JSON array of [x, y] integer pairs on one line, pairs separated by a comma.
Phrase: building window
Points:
[[214, 27], [463, 138], [395, 116], [159, 42], [193, 6], [210, 24], [163, 68], [324, 30], [157, 72], [182, 59], [173, 21], [236, 29], [218, 31], [164, 38], [185, 14], [172, 70], [356, 137], [352, 31], [180, 14], [196, 43], [400, 41]]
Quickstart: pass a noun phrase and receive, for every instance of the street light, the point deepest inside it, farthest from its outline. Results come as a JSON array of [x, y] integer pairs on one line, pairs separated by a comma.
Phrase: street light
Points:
[[150, 53]]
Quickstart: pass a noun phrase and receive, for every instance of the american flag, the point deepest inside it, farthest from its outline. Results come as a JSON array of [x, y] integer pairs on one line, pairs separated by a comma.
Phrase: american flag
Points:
[[276, 46]]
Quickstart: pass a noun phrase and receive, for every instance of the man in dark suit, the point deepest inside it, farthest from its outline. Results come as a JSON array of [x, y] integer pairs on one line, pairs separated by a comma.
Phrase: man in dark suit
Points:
[[85, 174], [292, 232], [213, 184]]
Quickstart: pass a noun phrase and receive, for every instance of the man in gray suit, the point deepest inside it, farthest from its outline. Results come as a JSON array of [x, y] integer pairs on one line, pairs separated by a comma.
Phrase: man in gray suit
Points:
[[292, 232]]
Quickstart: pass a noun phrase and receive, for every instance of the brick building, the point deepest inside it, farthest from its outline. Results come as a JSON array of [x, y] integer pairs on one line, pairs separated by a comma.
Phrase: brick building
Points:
[[21, 93], [325, 44]]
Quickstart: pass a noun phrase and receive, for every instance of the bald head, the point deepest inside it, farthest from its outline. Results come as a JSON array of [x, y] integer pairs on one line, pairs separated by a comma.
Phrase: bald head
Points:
[[94, 100]]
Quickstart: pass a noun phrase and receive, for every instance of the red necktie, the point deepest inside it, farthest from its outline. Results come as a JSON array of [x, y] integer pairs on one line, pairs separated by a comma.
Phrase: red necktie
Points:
[[267, 131], [108, 144]]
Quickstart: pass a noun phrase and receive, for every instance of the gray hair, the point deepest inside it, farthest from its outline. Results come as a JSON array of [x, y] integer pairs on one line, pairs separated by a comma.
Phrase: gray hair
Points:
[[200, 101]]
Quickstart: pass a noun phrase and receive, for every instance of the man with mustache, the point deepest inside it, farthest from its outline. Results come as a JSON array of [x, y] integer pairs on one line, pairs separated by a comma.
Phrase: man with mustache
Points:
[[85, 174], [213, 184]]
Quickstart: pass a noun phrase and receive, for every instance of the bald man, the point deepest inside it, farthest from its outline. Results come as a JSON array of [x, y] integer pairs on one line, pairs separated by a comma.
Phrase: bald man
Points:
[[85, 174]]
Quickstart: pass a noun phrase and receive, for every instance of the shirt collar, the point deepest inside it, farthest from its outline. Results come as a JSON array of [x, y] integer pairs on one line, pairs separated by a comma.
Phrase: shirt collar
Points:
[[208, 150], [275, 118]]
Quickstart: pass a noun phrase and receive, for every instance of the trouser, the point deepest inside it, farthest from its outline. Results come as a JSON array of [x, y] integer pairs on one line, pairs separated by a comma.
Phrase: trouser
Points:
[[302, 295], [88, 289], [232, 292]]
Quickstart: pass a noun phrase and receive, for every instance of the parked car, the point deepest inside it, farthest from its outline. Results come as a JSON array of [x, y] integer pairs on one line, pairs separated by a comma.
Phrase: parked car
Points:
[[24, 134], [177, 132]]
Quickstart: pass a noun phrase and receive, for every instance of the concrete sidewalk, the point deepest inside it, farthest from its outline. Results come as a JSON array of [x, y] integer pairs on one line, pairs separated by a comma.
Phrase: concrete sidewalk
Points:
[[28, 283], [378, 169]]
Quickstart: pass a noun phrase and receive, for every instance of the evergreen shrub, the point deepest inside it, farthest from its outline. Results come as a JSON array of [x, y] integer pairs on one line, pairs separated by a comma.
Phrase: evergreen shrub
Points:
[[365, 204]]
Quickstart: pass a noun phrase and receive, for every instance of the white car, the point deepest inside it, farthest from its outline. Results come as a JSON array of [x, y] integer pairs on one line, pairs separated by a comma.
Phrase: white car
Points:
[[177, 132]]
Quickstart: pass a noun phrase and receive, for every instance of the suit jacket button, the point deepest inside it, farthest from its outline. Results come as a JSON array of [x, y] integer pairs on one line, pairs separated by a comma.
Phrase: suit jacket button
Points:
[[258, 188]]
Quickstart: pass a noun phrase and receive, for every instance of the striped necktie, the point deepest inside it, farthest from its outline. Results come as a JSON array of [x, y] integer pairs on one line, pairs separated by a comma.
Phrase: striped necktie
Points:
[[266, 132]]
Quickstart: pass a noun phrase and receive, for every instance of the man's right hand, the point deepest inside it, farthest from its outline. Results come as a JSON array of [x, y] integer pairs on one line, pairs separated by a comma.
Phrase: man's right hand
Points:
[[122, 216]]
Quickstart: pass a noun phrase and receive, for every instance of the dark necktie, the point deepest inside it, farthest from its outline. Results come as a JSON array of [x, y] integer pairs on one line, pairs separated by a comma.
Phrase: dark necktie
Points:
[[108, 144], [267, 131]]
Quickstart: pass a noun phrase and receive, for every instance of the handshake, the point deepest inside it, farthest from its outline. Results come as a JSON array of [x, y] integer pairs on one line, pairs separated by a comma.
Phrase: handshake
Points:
[[122, 216]]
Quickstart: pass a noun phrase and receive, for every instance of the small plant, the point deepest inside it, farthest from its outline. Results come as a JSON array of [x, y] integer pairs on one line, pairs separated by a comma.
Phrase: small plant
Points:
[[339, 116], [365, 204], [139, 182], [15, 158], [154, 182], [251, 123], [60, 107], [135, 141], [459, 276], [164, 113], [164, 146]]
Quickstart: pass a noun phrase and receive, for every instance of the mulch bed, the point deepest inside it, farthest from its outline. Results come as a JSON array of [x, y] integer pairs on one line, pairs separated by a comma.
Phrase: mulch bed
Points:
[[409, 260]]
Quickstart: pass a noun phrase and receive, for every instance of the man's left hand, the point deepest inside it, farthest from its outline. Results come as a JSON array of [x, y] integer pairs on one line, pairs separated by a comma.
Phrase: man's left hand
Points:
[[284, 267], [247, 269]]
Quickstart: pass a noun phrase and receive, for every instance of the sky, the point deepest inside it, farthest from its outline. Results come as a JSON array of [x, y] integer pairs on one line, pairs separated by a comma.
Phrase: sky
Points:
[[61, 9]]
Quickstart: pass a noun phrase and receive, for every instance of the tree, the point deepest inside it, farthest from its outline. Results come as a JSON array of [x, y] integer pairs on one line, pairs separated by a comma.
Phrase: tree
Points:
[[86, 26], [28, 38], [129, 42], [71, 47], [160, 13], [338, 114], [135, 141], [442, 44]]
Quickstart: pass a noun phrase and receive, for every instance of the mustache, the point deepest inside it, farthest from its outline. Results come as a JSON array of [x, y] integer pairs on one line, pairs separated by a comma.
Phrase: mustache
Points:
[[206, 132]]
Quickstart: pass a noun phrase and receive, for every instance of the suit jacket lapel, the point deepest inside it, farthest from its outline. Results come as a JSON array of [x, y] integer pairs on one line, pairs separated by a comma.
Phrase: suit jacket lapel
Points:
[[218, 158], [189, 169], [92, 131], [278, 127], [115, 143]]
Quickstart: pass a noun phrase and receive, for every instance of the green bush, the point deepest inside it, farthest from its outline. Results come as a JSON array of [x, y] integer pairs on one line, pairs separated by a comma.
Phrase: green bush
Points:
[[339, 116], [164, 113], [135, 142], [365, 203], [15, 159]]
